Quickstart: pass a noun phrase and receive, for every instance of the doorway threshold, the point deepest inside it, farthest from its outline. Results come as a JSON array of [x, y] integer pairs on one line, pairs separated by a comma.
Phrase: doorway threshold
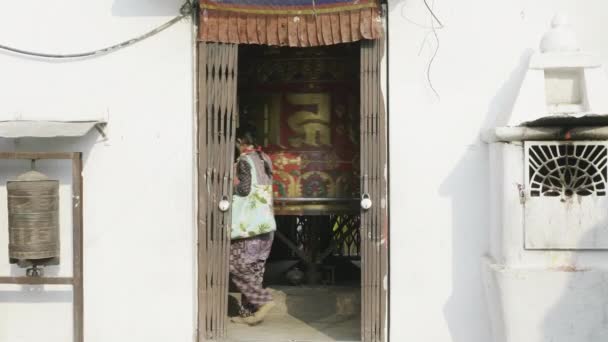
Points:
[[306, 314]]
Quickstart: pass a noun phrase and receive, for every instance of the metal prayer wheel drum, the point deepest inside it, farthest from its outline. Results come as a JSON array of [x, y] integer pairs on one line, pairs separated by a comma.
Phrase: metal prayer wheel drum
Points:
[[33, 219]]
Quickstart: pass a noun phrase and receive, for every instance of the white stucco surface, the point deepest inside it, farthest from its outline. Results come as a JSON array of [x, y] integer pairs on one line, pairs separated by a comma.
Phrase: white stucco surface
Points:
[[544, 294], [440, 199], [138, 184]]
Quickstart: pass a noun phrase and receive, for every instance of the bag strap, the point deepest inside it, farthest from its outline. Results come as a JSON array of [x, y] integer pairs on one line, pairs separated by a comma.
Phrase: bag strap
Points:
[[254, 173]]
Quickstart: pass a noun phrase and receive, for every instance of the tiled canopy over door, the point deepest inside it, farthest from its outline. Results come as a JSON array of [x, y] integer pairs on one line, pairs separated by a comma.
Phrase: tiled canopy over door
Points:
[[374, 221], [217, 113]]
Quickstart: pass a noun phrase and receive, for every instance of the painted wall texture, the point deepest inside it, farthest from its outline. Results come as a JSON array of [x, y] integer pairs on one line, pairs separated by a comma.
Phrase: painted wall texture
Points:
[[440, 209], [139, 188]]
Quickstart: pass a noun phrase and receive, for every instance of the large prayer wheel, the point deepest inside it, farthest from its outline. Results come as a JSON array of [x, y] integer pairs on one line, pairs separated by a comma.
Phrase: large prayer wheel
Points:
[[33, 219], [304, 106]]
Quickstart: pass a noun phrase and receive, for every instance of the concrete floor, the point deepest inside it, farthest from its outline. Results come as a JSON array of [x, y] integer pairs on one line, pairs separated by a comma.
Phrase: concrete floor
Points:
[[306, 314]]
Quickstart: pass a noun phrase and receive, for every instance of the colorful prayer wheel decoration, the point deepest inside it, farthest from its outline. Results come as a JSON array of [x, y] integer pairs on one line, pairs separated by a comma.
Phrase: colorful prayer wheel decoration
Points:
[[304, 105], [33, 219]]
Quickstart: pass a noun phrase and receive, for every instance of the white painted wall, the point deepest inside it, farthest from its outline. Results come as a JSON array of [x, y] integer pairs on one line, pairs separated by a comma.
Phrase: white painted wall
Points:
[[138, 185], [139, 255], [440, 211]]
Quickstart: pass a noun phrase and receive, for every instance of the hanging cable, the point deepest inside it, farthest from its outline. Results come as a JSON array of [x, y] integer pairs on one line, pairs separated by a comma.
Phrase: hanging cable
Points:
[[434, 31], [433, 13], [185, 11]]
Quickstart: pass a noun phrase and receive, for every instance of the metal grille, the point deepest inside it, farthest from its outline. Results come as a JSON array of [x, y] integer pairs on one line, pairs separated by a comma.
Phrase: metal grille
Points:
[[216, 128], [336, 235], [567, 169], [374, 222], [347, 235]]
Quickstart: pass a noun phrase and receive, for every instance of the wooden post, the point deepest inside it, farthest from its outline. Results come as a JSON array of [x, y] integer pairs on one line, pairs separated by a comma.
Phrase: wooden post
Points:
[[77, 247]]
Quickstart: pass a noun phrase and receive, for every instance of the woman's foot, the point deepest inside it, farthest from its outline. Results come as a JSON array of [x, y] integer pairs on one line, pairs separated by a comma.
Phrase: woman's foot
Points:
[[257, 317], [249, 320], [263, 310], [238, 320]]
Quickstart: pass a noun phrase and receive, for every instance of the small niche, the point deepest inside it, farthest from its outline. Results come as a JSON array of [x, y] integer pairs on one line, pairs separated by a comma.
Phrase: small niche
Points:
[[565, 91]]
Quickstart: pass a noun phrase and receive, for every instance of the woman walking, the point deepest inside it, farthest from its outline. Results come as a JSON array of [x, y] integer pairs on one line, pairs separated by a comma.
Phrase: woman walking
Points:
[[252, 229]]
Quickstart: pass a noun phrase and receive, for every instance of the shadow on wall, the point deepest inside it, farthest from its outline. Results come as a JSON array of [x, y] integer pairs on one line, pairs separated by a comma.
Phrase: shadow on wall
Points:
[[501, 106], [143, 8], [55, 169], [467, 185], [581, 314]]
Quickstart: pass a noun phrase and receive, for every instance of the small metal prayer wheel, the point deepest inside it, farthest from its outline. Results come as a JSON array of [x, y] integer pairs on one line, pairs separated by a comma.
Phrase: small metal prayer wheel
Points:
[[33, 220]]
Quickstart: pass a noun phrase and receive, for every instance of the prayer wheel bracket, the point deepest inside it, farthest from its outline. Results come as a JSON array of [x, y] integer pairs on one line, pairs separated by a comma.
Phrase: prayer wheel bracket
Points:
[[34, 275]]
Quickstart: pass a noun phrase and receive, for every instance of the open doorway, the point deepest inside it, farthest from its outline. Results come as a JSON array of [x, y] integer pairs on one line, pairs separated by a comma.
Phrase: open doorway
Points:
[[304, 104], [321, 115]]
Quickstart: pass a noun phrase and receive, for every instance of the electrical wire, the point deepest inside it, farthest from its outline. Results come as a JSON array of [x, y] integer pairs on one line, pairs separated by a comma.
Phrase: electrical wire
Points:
[[185, 11], [433, 13], [430, 65], [434, 31]]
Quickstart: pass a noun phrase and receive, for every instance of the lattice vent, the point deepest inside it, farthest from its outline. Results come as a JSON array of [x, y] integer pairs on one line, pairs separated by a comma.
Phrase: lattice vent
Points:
[[567, 169]]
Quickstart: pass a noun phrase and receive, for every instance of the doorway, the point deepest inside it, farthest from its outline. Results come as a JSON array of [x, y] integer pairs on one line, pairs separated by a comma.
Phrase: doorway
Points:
[[321, 116], [304, 105]]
